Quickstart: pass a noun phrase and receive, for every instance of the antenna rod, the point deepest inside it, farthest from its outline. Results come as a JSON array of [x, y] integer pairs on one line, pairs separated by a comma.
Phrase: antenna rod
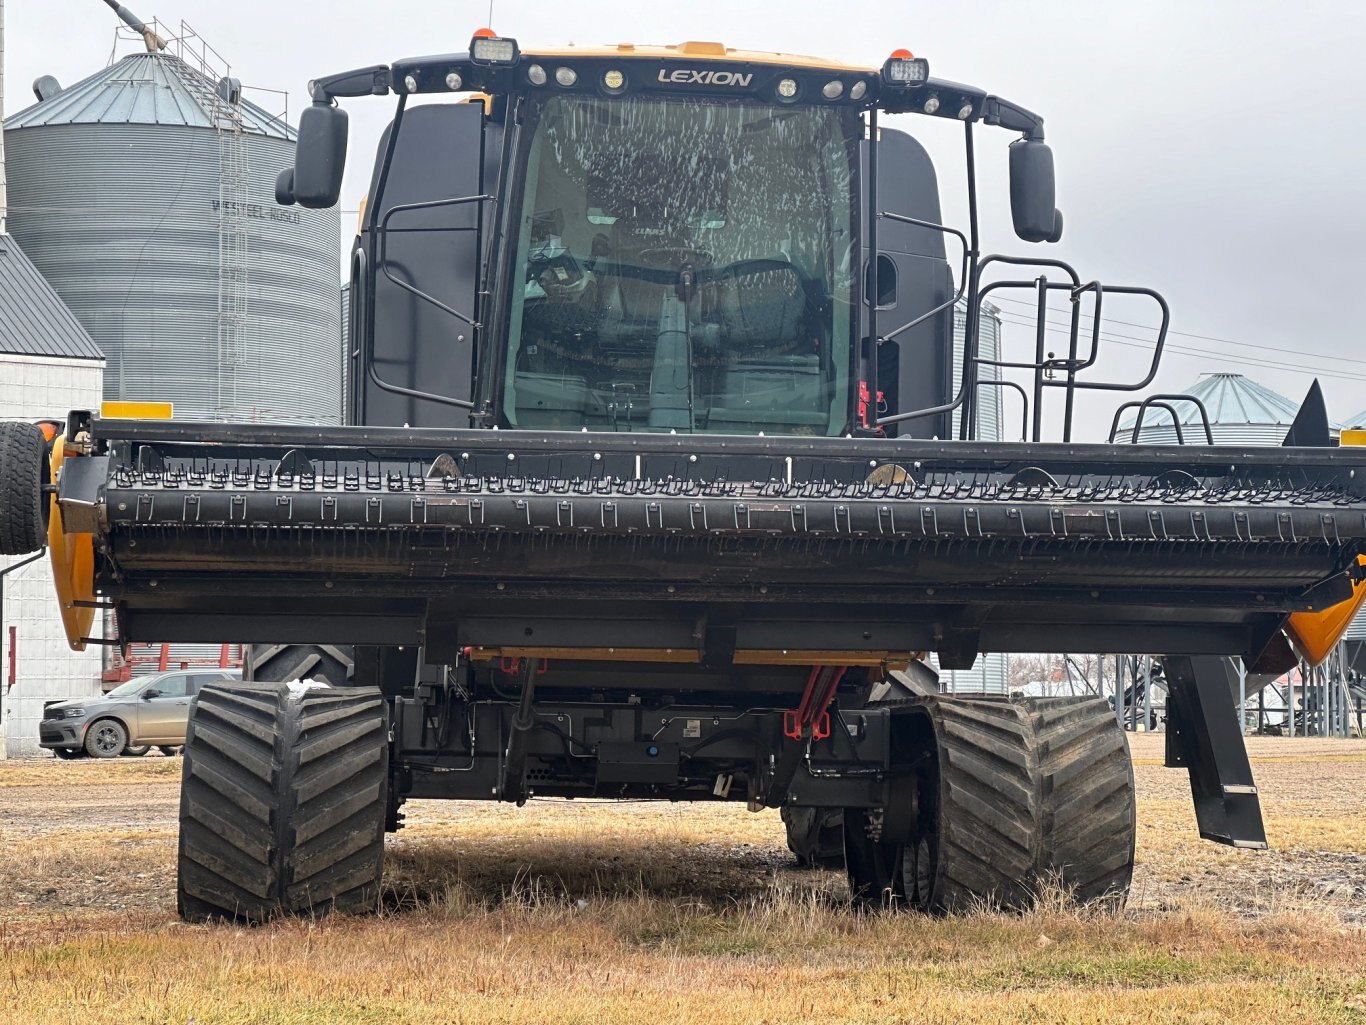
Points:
[[154, 42]]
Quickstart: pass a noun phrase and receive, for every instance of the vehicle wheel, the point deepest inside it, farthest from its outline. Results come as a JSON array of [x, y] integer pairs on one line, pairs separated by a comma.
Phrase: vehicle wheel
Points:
[[282, 802], [67, 754], [136, 750], [23, 472], [168, 750], [815, 836], [280, 663], [873, 864], [105, 738]]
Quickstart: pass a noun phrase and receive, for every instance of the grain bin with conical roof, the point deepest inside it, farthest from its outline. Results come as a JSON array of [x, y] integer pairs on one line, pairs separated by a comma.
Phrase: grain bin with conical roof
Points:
[[1241, 412], [145, 195]]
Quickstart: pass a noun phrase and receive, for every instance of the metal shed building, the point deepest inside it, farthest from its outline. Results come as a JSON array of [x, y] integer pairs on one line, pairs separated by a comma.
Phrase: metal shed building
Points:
[[48, 365]]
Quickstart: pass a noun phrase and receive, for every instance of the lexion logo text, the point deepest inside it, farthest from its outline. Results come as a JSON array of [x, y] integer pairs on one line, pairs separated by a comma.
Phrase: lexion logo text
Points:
[[691, 76]]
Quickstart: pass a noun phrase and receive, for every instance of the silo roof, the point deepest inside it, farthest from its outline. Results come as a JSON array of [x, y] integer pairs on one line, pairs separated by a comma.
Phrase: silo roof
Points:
[[1356, 421], [144, 89], [1230, 399], [33, 319]]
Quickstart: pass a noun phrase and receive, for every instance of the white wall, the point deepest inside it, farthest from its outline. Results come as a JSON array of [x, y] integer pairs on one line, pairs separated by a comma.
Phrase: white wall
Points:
[[46, 668]]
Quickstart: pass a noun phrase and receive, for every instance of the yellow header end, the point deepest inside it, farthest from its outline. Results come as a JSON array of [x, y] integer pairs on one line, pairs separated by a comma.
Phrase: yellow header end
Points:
[[136, 410], [1313, 635], [1354, 436]]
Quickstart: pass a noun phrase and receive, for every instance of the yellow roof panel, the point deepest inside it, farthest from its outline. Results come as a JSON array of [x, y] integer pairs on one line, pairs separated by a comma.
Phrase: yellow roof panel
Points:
[[696, 50]]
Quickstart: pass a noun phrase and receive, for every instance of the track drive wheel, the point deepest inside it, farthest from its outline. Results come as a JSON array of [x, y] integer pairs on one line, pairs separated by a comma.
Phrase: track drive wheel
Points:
[[992, 801], [282, 802], [815, 836], [281, 663], [23, 472]]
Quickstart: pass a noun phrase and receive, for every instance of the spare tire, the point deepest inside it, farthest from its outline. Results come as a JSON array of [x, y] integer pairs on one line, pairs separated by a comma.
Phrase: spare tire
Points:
[[23, 472]]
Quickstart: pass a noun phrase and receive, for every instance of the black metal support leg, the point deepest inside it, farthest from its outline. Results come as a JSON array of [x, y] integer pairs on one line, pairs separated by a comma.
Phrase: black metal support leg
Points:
[[1203, 735], [513, 784]]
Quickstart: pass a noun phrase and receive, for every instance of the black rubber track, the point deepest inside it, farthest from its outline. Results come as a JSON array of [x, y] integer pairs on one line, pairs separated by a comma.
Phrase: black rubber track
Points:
[[1029, 795], [280, 663], [815, 836], [23, 527], [987, 807], [282, 802], [1087, 789]]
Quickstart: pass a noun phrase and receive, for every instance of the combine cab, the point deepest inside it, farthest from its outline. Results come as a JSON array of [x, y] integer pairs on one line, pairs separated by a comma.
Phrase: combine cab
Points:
[[656, 485]]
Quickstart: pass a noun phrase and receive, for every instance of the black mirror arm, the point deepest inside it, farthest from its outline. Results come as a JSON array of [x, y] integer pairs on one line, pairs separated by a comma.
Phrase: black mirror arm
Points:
[[371, 81], [1013, 117]]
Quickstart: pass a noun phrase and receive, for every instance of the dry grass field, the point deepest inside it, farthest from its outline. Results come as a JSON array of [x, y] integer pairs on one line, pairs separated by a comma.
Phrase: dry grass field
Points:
[[582, 912]]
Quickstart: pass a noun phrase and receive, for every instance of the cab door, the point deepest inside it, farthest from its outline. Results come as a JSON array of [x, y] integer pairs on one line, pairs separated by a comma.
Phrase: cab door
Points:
[[406, 344], [163, 710]]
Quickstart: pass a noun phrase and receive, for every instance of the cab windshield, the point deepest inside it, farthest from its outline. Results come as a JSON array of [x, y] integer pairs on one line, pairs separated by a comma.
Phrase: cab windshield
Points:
[[684, 265]]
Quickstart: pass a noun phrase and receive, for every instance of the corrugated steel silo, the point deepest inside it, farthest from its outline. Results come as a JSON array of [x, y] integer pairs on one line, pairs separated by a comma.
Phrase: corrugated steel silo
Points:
[[346, 368], [1357, 630], [990, 400], [988, 674], [1241, 412], [146, 197]]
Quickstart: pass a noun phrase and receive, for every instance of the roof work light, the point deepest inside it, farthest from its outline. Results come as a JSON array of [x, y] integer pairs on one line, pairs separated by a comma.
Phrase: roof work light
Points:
[[904, 70], [486, 48]]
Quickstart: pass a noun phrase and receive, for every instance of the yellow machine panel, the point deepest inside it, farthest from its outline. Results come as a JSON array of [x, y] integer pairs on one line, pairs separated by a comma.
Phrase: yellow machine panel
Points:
[[73, 565]]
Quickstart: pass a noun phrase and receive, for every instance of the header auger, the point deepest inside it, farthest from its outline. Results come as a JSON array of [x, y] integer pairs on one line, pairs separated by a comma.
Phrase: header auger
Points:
[[642, 495]]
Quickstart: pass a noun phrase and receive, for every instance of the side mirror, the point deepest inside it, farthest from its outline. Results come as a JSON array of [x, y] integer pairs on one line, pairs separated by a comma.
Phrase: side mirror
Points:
[[149, 693], [1033, 200], [320, 157], [284, 187]]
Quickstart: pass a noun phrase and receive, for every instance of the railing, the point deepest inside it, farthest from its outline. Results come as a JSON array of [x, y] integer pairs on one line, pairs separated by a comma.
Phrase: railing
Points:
[[1046, 369]]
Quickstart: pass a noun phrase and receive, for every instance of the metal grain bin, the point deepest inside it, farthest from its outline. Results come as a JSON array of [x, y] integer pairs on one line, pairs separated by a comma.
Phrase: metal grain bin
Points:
[[1241, 412], [988, 675], [146, 197], [345, 314], [990, 399]]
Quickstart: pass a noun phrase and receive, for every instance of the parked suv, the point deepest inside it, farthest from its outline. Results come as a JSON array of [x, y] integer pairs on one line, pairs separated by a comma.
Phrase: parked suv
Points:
[[148, 711]]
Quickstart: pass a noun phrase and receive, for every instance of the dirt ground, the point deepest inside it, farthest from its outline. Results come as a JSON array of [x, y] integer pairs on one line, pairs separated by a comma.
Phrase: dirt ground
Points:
[[1313, 794], [90, 859]]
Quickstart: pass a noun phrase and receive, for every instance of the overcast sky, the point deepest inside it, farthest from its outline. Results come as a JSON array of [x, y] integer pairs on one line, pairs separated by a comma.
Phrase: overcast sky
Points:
[[1213, 151]]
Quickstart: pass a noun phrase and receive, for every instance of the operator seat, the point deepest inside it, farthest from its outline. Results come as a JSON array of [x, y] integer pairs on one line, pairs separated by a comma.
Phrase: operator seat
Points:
[[761, 306], [773, 360]]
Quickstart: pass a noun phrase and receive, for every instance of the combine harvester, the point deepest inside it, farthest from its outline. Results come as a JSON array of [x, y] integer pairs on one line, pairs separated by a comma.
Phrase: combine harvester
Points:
[[643, 495]]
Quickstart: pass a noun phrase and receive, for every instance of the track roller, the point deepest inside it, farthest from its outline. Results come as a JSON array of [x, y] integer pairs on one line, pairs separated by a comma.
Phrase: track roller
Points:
[[282, 802], [815, 836]]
